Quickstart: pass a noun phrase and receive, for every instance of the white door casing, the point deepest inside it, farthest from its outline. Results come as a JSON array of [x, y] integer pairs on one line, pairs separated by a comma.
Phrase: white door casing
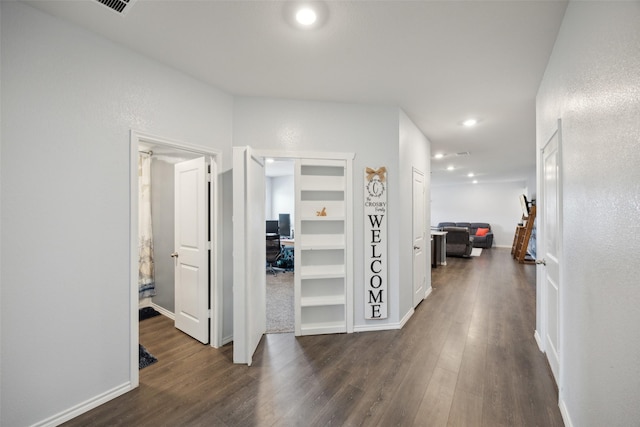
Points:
[[249, 254], [191, 255], [551, 250], [419, 261]]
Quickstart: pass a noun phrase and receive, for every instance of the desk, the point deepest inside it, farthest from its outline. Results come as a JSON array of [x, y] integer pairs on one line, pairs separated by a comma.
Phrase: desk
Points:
[[287, 242], [440, 246]]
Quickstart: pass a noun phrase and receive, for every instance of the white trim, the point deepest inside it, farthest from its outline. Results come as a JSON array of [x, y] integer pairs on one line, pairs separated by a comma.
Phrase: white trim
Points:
[[565, 413], [303, 154], [349, 281], [85, 406], [427, 292], [163, 311], [386, 326], [406, 318], [226, 340], [134, 341], [539, 341]]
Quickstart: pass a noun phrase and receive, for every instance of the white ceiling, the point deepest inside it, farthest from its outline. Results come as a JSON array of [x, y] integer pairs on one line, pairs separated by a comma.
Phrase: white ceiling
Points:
[[440, 61]]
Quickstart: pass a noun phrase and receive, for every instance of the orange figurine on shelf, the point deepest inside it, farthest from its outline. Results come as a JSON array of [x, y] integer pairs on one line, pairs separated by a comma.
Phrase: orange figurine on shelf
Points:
[[323, 212]]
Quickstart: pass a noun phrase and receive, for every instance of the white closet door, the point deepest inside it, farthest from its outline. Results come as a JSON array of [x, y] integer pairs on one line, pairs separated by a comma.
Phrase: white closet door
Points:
[[249, 287], [192, 249]]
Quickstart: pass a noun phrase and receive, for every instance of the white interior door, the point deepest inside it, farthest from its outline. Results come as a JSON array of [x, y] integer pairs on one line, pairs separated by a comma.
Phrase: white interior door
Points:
[[249, 255], [191, 253], [419, 260], [552, 250]]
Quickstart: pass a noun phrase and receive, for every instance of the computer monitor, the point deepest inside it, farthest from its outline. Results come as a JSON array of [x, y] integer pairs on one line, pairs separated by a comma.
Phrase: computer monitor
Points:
[[272, 226], [284, 224]]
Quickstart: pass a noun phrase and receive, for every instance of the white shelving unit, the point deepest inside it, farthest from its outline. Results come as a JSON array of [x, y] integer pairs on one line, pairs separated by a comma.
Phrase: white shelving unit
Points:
[[321, 253]]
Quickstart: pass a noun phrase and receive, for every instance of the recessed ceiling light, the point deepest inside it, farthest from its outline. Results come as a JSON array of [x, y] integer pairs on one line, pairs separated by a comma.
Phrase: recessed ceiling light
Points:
[[475, 181], [306, 16], [438, 156], [450, 168], [470, 122], [470, 174]]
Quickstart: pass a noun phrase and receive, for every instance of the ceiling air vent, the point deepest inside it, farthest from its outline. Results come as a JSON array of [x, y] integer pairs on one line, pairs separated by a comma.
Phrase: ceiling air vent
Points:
[[462, 153], [119, 6]]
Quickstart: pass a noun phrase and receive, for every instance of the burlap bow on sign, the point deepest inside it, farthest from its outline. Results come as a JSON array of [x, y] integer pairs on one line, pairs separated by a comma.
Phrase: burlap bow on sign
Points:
[[380, 172]]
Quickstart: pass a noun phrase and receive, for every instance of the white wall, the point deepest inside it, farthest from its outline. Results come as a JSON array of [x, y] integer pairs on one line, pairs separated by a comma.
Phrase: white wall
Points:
[[282, 197], [495, 203], [69, 99], [369, 131], [415, 152], [592, 83], [268, 210]]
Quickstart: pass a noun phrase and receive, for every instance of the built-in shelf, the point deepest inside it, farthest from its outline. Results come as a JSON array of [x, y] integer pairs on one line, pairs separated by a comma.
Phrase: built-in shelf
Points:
[[323, 328], [320, 257], [322, 218], [321, 271], [322, 183], [325, 300]]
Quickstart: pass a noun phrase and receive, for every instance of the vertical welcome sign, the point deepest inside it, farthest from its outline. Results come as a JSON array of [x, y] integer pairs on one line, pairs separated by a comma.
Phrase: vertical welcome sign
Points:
[[375, 243]]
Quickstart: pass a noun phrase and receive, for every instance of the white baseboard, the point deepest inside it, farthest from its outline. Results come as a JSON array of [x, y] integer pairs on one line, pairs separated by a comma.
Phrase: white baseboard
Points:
[[144, 302], [384, 326], [85, 406], [163, 311], [536, 335], [565, 413], [406, 318], [227, 340]]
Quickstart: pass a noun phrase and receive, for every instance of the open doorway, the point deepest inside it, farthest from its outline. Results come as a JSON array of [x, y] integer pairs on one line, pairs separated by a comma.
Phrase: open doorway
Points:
[[179, 175], [280, 241]]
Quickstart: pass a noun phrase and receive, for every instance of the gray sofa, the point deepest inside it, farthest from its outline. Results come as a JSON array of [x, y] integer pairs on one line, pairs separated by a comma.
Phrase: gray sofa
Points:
[[485, 241]]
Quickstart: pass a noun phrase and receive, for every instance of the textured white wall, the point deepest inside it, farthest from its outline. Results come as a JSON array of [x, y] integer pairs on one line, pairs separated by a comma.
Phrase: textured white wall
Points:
[[592, 83], [369, 131], [495, 203], [69, 99]]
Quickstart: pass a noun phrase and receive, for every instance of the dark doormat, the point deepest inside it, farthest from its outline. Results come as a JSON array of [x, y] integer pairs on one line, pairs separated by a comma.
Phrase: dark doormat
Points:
[[147, 312], [146, 358]]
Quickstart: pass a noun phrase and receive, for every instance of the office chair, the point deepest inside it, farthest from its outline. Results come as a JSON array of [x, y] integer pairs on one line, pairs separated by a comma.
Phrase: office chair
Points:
[[274, 252]]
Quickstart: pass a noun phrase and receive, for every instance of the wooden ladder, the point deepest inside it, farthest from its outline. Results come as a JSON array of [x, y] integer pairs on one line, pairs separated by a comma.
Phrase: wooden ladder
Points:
[[522, 236]]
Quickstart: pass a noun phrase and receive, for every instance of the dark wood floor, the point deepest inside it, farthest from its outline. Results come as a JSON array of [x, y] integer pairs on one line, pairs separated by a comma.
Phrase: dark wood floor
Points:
[[467, 357]]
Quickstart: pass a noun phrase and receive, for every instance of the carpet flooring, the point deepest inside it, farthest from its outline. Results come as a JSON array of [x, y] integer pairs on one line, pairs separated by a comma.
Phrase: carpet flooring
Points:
[[280, 304]]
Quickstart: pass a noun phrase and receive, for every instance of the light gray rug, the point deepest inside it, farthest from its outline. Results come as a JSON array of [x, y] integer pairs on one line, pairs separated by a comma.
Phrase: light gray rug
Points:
[[280, 305], [476, 251]]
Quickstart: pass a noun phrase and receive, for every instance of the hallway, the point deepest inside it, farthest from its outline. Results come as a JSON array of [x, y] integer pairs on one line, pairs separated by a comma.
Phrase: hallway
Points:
[[467, 357]]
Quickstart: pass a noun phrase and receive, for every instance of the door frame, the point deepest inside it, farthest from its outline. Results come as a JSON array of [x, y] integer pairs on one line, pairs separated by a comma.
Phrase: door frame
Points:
[[136, 138], [542, 295], [348, 158], [426, 248]]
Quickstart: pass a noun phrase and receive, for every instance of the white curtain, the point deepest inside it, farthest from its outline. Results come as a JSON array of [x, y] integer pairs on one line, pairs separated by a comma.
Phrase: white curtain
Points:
[[146, 279]]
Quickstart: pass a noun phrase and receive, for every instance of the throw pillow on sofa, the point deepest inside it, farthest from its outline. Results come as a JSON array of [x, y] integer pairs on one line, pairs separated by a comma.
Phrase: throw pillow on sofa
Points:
[[482, 232]]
